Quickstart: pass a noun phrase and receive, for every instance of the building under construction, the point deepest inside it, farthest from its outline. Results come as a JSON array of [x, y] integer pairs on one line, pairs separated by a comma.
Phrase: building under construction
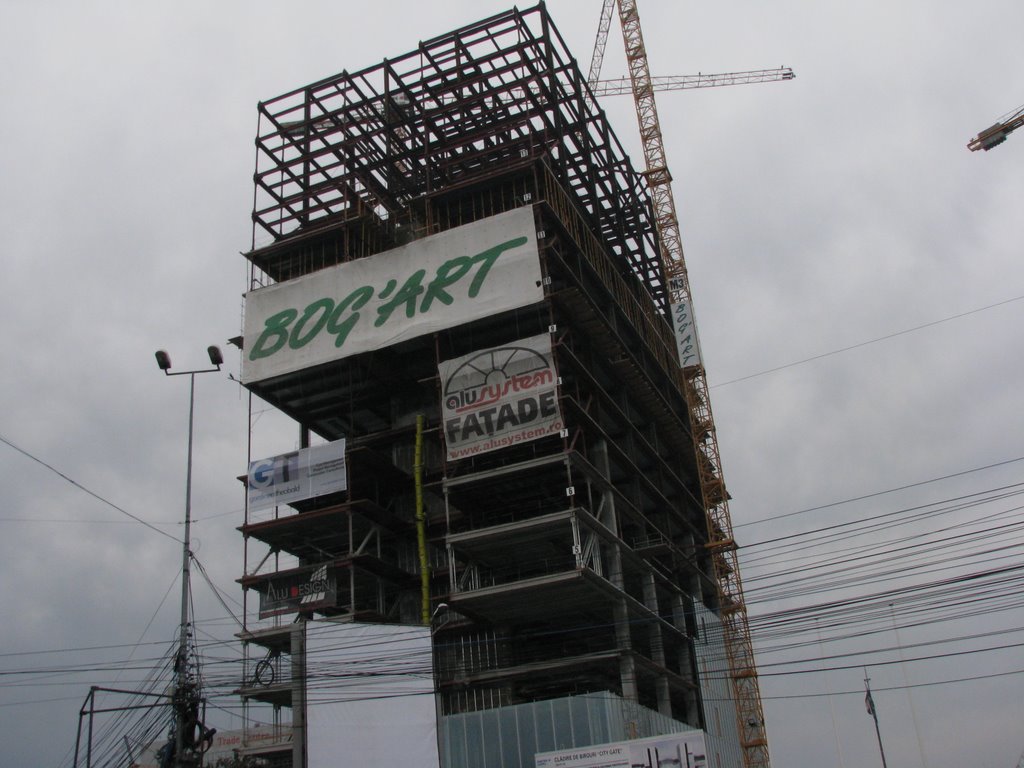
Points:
[[456, 281]]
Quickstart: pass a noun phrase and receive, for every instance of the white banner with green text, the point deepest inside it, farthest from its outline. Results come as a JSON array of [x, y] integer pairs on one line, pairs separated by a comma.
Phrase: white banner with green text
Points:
[[441, 281]]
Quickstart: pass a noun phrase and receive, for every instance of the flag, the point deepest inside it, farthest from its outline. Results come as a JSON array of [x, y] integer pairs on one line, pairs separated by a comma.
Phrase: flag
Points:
[[870, 703]]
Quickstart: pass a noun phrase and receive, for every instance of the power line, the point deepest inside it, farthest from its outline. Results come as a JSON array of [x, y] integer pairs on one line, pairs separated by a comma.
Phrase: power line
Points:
[[866, 343], [879, 493], [779, 625], [81, 487], [860, 691]]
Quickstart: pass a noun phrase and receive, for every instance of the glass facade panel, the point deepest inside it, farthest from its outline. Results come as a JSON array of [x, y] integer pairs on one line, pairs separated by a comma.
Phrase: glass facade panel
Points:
[[492, 742], [509, 729], [545, 724], [509, 737], [474, 742], [564, 733], [454, 743]]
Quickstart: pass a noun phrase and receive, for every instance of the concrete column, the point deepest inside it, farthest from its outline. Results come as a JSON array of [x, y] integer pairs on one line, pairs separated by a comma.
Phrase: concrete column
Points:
[[620, 613], [657, 642], [686, 664], [627, 665]]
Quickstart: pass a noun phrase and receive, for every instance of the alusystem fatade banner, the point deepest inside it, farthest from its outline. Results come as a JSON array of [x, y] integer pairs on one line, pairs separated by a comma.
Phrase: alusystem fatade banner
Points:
[[498, 397]]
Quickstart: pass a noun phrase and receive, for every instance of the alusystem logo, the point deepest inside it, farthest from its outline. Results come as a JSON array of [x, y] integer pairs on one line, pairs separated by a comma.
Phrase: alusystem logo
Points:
[[513, 390]]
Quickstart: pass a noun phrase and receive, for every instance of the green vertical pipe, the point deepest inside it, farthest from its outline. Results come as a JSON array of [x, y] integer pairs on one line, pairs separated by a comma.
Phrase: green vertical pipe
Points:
[[421, 522]]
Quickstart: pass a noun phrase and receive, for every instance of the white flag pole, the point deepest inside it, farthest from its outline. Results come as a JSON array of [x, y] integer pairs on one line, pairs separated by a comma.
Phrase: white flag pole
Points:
[[869, 702]]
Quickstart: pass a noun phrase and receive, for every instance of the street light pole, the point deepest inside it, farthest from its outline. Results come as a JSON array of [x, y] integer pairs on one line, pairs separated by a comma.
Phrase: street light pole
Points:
[[186, 699], [186, 550]]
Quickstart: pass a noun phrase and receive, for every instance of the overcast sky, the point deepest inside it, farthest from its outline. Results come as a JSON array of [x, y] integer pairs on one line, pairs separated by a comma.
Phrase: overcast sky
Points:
[[817, 215]]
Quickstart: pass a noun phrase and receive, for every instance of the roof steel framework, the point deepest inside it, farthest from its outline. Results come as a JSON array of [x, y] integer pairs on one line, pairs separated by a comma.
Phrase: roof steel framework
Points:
[[370, 145]]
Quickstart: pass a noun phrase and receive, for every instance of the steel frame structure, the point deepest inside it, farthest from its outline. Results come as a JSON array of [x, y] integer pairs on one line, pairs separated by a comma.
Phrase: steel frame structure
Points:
[[571, 563], [369, 146]]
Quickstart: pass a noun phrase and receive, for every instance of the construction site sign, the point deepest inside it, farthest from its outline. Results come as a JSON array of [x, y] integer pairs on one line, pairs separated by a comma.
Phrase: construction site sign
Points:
[[498, 397], [685, 750], [447, 279], [298, 475]]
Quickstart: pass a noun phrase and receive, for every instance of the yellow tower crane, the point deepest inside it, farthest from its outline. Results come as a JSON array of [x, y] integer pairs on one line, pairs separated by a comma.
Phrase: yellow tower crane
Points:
[[732, 607], [996, 134]]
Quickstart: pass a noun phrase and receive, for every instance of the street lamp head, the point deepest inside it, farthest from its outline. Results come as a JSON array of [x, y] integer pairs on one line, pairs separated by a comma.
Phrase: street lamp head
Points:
[[163, 360]]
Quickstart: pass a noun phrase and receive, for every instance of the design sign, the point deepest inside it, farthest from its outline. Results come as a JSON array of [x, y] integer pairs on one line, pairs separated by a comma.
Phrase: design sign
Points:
[[303, 474], [499, 397], [454, 277], [307, 592]]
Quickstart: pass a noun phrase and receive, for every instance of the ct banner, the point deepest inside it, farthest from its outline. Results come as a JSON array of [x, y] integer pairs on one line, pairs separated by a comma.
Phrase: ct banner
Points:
[[499, 397], [303, 474], [456, 276]]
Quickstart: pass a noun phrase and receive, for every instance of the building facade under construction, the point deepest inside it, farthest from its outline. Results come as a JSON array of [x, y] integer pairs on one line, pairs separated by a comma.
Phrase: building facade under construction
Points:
[[456, 294]]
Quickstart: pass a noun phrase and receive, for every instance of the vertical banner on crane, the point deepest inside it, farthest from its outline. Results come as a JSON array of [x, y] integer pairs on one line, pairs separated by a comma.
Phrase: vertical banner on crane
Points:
[[686, 333]]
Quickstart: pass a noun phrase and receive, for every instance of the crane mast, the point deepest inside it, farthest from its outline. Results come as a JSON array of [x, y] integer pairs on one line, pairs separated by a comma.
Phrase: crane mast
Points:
[[722, 546]]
